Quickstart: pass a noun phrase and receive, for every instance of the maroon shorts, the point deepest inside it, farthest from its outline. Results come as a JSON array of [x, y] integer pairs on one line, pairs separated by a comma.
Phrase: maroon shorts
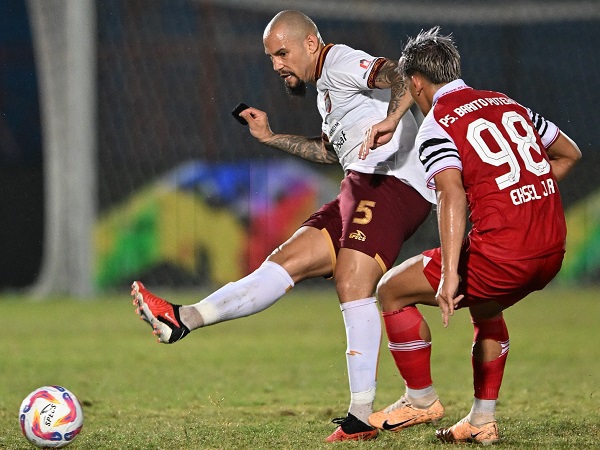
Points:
[[484, 279], [373, 214]]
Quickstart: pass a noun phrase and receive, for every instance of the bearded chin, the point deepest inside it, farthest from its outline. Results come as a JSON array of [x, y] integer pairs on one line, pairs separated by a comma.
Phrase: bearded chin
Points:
[[297, 91]]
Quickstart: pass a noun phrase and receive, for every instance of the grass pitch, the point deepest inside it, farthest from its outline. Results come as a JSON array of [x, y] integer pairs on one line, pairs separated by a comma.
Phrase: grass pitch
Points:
[[276, 379]]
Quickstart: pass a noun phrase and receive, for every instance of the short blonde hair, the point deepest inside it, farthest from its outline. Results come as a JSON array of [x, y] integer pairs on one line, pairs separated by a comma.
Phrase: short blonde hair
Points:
[[432, 55]]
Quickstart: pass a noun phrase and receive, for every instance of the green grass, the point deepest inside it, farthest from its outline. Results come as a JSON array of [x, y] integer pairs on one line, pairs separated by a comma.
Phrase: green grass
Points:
[[275, 380]]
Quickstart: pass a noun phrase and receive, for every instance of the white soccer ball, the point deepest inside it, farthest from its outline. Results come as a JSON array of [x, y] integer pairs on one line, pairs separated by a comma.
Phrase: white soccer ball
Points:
[[51, 417]]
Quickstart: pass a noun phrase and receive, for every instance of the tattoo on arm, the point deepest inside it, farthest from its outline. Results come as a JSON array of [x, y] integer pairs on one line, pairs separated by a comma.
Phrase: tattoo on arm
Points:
[[311, 149], [389, 76]]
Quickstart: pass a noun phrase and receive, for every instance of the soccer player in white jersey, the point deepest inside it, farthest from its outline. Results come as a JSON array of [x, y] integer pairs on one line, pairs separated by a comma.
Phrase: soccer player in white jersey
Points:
[[355, 238], [483, 151]]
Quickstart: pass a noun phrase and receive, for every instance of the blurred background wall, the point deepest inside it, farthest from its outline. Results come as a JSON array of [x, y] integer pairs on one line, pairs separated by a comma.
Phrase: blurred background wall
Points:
[[173, 190]]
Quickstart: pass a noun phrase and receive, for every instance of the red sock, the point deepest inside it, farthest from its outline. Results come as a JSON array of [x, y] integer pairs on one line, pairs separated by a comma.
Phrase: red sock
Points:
[[487, 376], [411, 353]]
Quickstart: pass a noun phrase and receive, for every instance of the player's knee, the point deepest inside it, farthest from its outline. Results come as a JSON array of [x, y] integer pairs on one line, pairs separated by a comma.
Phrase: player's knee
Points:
[[386, 295], [349, 290]]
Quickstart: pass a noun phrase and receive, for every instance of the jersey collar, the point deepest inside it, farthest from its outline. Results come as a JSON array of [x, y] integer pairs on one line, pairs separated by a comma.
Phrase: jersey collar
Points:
[[455, 85], [321, 61]]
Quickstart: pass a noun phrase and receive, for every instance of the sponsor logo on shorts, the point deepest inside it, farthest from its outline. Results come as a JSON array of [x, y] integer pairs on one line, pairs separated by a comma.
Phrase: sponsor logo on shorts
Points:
[[358, 235]]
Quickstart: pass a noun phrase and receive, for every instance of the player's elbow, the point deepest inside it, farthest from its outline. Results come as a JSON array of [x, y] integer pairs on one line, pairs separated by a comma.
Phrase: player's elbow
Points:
[[566, 149], [570, 158], [576, 154]]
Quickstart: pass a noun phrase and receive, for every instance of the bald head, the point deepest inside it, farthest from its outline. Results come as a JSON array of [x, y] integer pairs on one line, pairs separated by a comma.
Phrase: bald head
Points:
[[291, 25], [293, 43]]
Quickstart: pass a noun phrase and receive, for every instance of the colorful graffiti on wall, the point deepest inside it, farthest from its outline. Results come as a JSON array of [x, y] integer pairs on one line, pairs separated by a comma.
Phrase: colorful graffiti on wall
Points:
[[582, 260], [215, 222]]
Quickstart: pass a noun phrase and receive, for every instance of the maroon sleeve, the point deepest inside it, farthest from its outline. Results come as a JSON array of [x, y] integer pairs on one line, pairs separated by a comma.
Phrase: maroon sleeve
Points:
[[374, 71]]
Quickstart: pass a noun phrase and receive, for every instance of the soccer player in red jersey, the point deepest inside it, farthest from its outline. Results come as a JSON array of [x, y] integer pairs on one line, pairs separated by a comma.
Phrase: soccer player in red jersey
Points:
[[485, 153]]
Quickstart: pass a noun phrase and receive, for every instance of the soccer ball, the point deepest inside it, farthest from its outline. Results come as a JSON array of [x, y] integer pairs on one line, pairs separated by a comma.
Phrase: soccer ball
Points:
[[51, 417]]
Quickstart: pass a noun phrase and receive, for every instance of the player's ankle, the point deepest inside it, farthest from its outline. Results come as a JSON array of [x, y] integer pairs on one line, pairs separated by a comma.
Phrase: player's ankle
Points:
[[190, 317], [482, 412], [361, 412], [422, 398], [480, 419]]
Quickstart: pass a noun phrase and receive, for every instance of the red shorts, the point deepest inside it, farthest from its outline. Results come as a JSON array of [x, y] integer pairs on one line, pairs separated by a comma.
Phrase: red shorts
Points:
[[484, 279], [373, 214]]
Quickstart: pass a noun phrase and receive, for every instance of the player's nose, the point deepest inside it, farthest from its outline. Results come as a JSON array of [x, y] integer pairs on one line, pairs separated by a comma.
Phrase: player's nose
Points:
[[277, 66]]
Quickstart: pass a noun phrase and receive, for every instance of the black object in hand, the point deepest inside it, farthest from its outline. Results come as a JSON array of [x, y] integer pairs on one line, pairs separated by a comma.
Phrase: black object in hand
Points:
[[236, 113]]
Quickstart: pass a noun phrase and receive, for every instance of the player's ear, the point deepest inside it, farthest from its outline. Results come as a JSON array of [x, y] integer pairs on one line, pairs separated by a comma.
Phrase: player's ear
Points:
[[312, 42], [417, 81]]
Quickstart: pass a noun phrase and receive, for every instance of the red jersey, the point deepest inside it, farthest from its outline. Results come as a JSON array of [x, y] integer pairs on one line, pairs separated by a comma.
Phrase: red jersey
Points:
[[500, 147]]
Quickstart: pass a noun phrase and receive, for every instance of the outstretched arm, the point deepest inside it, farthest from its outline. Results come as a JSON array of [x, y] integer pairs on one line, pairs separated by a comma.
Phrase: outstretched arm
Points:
[[400, 102], [313, 149], [310, 148], [563, 154]]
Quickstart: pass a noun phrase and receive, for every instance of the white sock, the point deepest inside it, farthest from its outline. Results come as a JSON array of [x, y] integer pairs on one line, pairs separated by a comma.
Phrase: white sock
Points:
[[363, 336], [422, 398], [482, 412], [252, 294], [361, 404]]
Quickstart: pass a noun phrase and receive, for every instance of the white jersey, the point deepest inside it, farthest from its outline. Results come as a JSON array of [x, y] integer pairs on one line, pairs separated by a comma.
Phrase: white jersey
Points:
[[350, 105]]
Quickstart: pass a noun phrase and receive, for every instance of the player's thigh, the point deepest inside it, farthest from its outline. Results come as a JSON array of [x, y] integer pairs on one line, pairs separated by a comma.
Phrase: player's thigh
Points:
[[405, 284], [486, 310], [508, 282], [308, 253]]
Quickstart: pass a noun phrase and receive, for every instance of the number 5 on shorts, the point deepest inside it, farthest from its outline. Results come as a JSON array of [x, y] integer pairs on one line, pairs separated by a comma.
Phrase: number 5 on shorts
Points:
[[364, 207]]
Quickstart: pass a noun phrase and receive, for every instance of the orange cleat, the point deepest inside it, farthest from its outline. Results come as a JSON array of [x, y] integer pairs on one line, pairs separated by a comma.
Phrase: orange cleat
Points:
[[403, 414], [463, 431]]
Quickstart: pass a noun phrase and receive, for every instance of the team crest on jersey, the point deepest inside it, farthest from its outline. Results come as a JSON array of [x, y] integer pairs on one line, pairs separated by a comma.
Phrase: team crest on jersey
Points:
[[365, 63], [327, 101]]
